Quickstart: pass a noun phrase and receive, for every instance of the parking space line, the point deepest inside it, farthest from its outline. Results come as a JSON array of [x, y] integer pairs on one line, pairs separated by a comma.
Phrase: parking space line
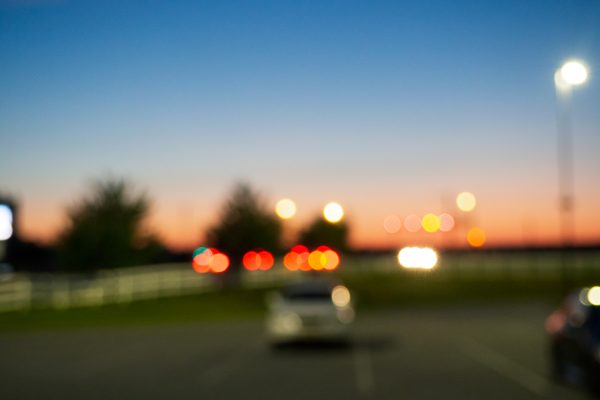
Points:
[[363, 370], [506, 367]]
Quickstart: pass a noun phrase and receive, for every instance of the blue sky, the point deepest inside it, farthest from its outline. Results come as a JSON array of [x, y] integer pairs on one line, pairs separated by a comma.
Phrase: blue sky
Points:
[[382, 105]]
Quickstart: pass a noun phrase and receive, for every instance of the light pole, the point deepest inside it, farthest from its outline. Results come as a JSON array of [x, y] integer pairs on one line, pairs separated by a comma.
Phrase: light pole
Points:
[[570, 75], [286, 210]]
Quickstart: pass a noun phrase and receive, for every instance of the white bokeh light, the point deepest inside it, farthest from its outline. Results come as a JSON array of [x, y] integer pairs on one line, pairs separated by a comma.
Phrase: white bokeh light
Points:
[[6, 222]]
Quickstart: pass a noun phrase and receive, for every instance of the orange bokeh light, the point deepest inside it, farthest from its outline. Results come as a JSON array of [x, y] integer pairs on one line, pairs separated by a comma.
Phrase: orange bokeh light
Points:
[[322, 258], [201, 260], [219, 263], [297, 258], [476, 237], [209, 260]]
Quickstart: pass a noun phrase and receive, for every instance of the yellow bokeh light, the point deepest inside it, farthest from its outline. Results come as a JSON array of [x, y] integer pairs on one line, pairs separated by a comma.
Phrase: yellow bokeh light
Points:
[[476, 237], [593, 296], [317, 260], [333, 212], [466, 201], [285, 209], [431, 223]]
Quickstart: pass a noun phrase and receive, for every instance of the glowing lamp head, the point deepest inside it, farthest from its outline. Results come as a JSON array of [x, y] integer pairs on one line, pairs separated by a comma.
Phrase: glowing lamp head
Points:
[[593, 296], [573, 73], [333, 212], [285, 209], [466, 201]]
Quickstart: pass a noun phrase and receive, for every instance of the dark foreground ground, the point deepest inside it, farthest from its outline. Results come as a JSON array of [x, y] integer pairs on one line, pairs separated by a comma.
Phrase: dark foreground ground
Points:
[[451, 352]]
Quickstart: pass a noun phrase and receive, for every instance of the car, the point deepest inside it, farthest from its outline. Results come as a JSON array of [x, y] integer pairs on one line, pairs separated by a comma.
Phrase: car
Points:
[[574, 330], [309, 311]]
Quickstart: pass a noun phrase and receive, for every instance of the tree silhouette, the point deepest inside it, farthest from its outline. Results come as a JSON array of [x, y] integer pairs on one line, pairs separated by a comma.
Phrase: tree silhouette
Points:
[[245, 223], [321, 232], [105, 229]]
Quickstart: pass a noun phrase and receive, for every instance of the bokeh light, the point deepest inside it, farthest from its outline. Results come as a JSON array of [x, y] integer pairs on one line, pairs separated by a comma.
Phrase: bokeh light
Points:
[[201, 260], [466, 201], [333, 212], [285, 208], [332, 259], [258, 260], [431, 223], [340, 295], [593, 296], [297, 258], [392, 224], [413, 257], [322, 258], [219, 263], [476, 237], [316, 260], [329, 259], [209, 260], [6, 222], [573, 73], [446, 222], [266, 260], [412, 223], [251, 261]]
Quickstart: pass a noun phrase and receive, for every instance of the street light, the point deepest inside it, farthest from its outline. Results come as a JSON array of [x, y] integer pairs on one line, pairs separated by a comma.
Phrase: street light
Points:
[[285, 209], [333, 212], [571, 74]]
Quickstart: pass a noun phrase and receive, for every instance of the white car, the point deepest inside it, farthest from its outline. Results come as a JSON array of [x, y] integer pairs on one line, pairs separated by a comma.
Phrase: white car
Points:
[[312, 310]]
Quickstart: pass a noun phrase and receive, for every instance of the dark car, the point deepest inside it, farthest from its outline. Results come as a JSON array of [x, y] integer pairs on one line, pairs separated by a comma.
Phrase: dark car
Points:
[[574, 331]]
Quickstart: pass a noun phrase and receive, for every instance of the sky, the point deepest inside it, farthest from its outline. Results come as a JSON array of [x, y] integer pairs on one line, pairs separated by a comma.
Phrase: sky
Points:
[[388, 107]]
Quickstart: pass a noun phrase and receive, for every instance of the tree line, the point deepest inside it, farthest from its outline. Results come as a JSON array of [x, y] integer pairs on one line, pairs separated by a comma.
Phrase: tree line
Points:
[[108, 229]]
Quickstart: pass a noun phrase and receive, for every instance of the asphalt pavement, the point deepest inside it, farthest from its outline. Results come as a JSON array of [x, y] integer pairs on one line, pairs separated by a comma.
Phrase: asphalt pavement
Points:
[[451, 352]]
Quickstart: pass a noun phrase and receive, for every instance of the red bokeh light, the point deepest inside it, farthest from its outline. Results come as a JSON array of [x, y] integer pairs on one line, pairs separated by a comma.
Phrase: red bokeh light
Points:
[[258, 260]]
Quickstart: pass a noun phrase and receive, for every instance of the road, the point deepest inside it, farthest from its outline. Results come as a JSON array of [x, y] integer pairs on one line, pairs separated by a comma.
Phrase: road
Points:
[[453, 352]]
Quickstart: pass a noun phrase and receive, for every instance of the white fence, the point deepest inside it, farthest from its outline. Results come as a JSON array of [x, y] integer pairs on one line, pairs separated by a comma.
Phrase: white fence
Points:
[[22, 292]]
